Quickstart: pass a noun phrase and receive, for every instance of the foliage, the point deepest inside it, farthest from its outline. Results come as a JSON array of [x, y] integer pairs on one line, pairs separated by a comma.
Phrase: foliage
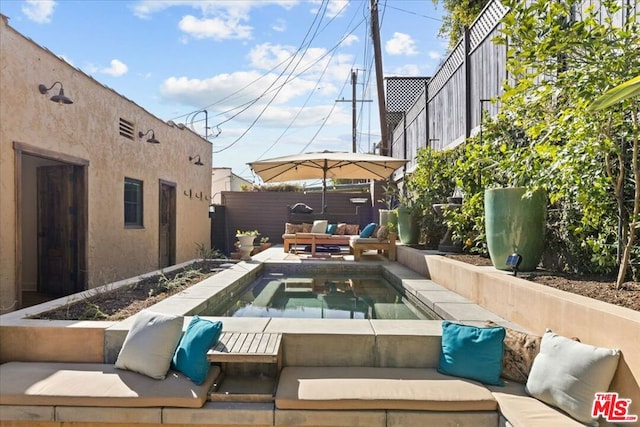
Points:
[[247, 233], [459, 14], [281, 187], [203, 252], [264, 239], [622, 92], [546, 136], [432, 182], [390, 193], [170, 284]]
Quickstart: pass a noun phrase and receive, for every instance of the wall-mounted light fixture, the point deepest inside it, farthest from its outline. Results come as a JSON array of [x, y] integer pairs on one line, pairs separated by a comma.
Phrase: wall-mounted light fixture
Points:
[[152, 139], [196, 160], [60, 98]]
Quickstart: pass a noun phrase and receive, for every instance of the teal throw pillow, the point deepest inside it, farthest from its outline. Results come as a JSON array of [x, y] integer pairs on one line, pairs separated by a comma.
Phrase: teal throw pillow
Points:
[[190, 357], [472, 352], [331, 228], [368, 230]]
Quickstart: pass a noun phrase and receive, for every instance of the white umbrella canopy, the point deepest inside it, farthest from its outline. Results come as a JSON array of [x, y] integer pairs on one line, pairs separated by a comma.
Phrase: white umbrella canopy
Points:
[[326, 164]]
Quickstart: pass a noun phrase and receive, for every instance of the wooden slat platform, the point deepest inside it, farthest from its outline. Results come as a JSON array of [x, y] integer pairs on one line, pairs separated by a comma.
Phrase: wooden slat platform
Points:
[[250, 347]]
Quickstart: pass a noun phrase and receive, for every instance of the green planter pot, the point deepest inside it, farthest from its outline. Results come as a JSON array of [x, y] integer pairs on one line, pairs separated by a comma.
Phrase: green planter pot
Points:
[[408, 230], [515, 225]]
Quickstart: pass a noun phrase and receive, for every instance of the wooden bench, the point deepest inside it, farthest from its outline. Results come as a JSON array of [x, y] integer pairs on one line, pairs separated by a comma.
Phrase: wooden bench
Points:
[[359, 245]]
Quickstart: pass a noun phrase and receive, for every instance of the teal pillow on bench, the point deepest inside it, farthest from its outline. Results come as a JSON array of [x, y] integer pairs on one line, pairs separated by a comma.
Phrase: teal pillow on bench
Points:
[[472, 352], [368, 230], [190, 357], [332, 228]]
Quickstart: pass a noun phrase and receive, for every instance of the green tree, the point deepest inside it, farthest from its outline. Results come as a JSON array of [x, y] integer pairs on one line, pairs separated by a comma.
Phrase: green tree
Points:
[[459, 14], [546, 135]]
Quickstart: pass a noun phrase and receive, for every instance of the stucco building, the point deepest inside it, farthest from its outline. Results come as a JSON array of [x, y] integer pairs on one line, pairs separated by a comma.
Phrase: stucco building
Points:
[[93, 191]]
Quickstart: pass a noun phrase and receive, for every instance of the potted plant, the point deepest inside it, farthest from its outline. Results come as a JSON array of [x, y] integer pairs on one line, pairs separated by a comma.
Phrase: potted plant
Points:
[[390, 201], [246, 239], [408, 215], [264, 243]]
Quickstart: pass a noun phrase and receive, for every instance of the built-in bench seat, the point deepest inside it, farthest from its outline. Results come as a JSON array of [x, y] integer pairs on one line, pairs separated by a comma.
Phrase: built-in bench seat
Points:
[[98, 394], [408, 396], [379, 388], [93, 392]]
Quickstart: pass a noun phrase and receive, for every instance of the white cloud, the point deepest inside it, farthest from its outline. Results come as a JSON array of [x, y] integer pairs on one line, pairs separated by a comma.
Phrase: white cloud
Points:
[[434, 54], [267, 56], [401, 44], [407, 70], [350, 39], [221, 97], [39, 11], [215, 28], [280, 26], [334, 7], [217, 19], [116, 69]]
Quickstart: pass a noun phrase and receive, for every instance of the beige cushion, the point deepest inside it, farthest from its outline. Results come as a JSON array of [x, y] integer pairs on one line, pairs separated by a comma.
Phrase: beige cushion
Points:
[[290, 228], [379, 388], [352, 229], [150, 344], [523, 410], [520, 348], [567, 374], [382, 233], [320, 226], [96, 384]]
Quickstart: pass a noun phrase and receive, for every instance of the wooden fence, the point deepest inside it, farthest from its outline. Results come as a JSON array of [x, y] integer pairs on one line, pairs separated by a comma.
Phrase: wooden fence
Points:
[[449, 109]]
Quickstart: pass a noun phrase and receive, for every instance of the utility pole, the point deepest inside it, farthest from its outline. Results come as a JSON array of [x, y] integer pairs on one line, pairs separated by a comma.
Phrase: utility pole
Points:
[[354, 122], [354, 81], [377, 54]]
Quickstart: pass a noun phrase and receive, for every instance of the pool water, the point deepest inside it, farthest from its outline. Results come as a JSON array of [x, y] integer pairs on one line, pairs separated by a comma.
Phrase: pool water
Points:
[[321, 297]]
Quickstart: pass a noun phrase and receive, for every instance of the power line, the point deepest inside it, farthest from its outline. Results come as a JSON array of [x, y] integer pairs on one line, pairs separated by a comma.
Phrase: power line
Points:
[[324, 9], [411, 13]]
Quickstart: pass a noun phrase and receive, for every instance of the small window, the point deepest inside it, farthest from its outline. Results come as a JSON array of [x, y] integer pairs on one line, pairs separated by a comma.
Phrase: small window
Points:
[[132, 203]]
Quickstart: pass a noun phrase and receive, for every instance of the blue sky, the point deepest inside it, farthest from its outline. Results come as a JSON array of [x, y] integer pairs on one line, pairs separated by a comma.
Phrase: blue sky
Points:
[[268, 73]]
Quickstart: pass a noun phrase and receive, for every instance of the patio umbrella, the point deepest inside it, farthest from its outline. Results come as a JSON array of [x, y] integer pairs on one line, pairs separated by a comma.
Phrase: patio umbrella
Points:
[[326, 164]]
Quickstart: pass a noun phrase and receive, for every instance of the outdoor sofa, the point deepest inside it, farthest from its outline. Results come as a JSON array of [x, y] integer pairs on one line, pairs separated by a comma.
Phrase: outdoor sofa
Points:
[[306, 234], [383, 380]]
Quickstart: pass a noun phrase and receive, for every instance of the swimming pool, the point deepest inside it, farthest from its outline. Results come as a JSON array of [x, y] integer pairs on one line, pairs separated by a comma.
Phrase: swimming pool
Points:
[[320, 294]]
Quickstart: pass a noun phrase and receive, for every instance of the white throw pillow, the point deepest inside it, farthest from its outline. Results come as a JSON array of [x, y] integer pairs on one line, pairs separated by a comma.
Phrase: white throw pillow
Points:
[[150, 344], [567, 374], [320, 226]]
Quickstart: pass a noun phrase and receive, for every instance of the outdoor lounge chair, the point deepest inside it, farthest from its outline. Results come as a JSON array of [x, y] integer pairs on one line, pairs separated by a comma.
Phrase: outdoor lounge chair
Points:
[[357, 245]]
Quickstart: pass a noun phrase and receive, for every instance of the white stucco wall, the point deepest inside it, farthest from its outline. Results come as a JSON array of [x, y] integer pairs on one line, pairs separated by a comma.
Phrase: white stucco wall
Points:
[[88, 129]]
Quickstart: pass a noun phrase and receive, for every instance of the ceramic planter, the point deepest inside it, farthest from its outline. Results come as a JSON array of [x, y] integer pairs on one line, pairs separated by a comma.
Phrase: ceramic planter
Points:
[[408, 229], [246, 245], [515, 224]]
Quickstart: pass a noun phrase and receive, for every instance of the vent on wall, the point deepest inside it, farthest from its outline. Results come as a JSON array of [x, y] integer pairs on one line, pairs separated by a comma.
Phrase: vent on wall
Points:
[[126, 129]]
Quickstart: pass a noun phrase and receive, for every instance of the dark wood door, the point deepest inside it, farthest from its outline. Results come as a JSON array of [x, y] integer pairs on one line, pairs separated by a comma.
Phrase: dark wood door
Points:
[[57, 230], [167, 237]]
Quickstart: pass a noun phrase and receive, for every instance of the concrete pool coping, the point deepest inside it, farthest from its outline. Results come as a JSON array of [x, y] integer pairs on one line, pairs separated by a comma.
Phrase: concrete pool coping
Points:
[[526, 305], [100, 341]]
